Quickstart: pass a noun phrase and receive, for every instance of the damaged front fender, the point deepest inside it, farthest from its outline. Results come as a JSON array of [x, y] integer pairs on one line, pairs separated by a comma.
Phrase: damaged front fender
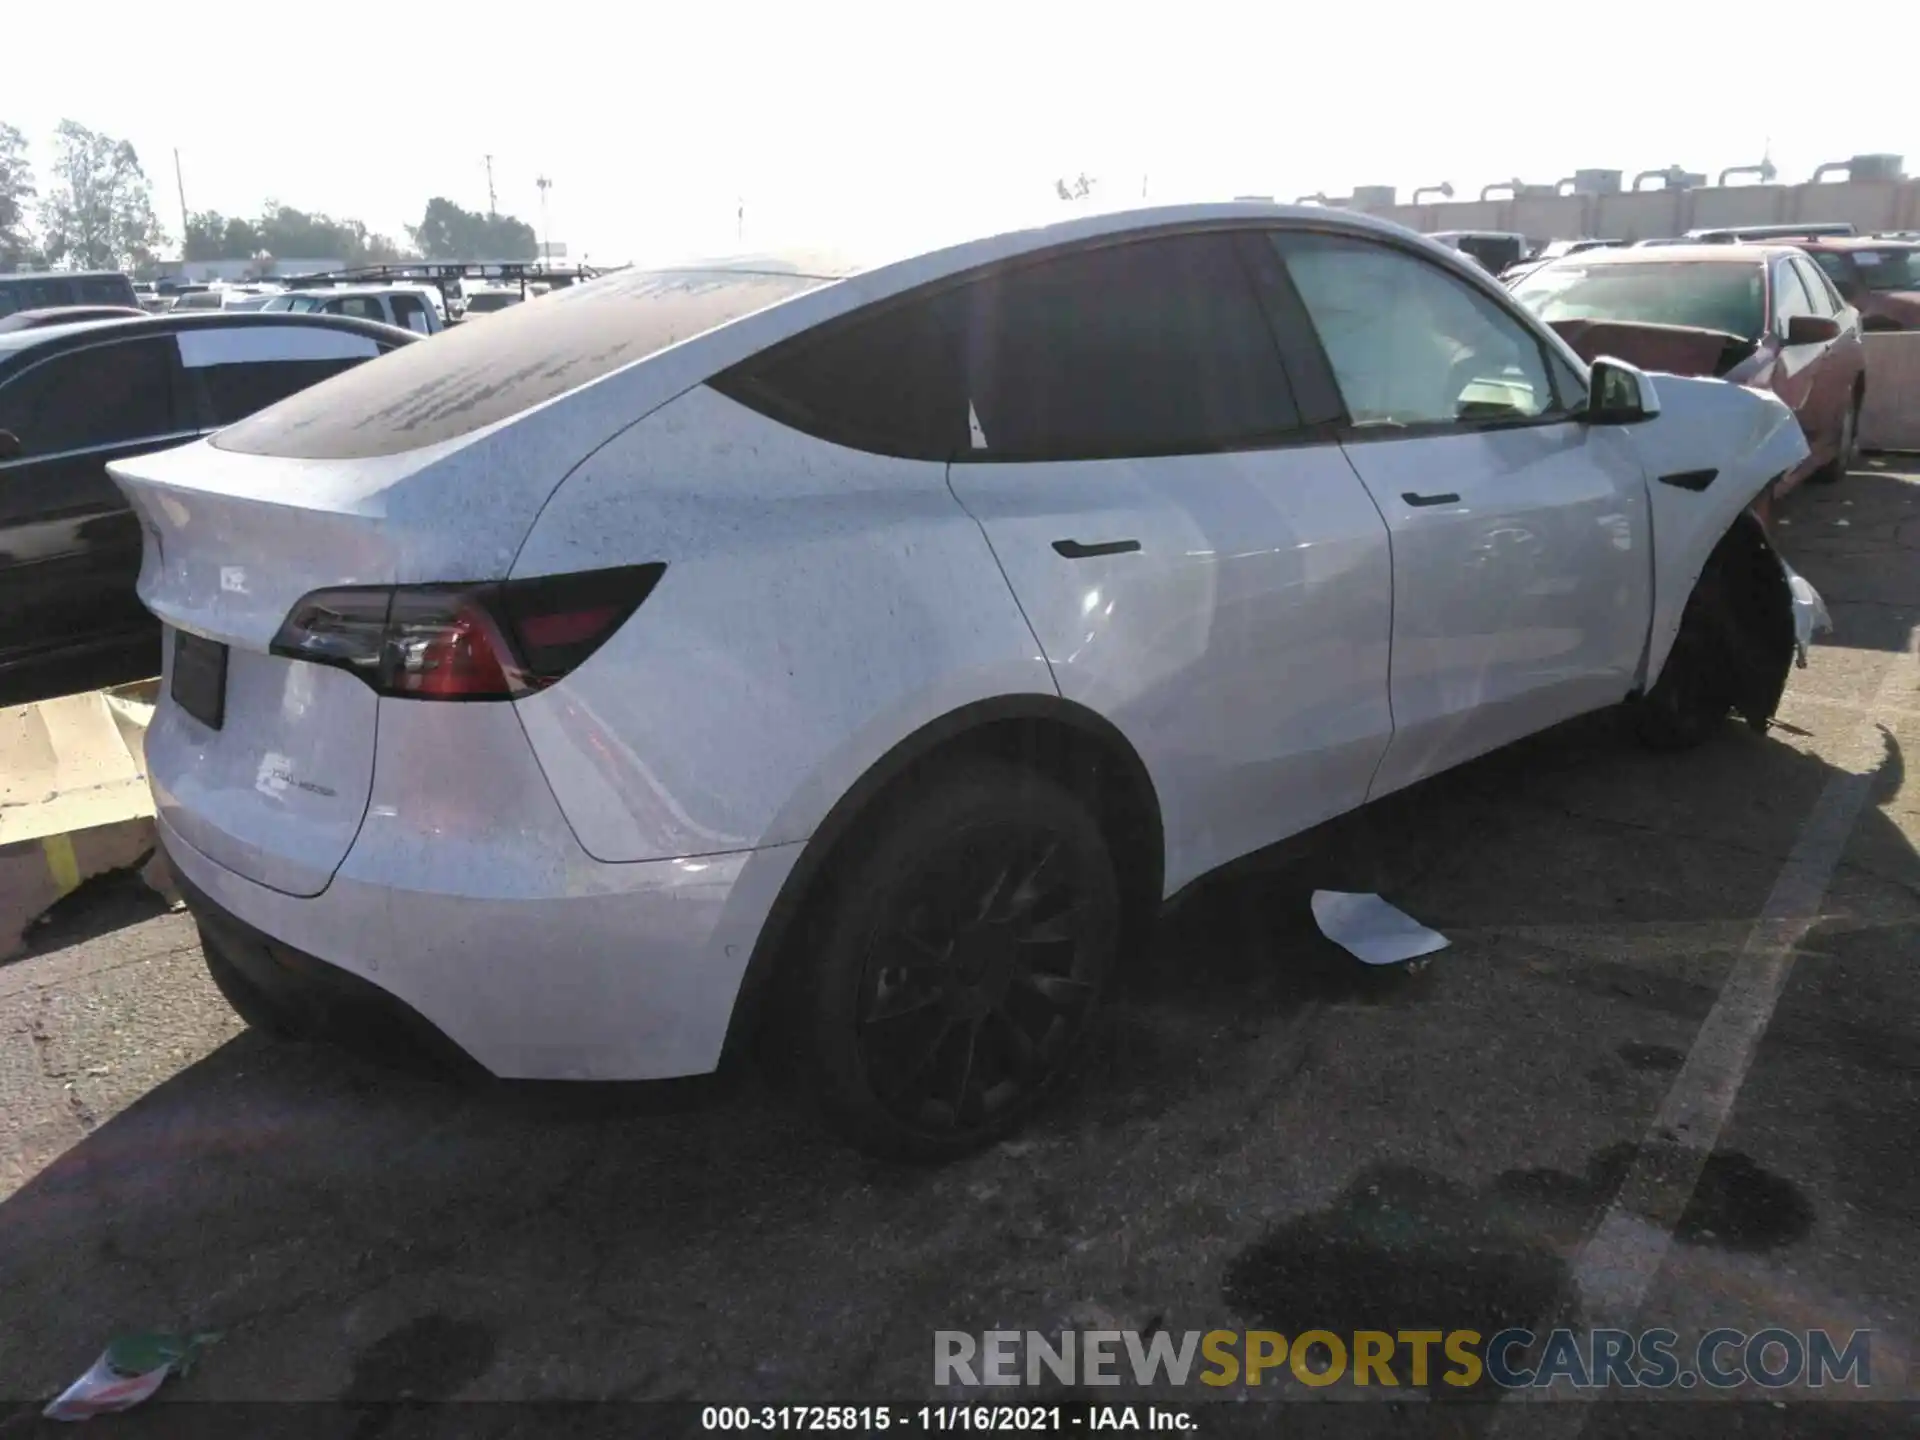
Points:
[[1708, 455], [1737, 641]]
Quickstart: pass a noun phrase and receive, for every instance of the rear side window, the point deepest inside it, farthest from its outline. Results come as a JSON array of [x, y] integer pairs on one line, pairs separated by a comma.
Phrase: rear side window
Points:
[[409, 312], [85, 399], [361, 307], [1153, 347], [475, 375], [892, 381]]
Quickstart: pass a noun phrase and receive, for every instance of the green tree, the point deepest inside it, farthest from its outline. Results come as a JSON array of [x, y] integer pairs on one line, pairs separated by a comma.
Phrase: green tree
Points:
[[447, 232], [98, 215], [284, 233], [16, 200], [213, 236]]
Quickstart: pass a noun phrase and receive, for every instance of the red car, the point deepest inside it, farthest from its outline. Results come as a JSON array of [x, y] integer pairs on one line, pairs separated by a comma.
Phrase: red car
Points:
[[1764, 316], [1879, 278]]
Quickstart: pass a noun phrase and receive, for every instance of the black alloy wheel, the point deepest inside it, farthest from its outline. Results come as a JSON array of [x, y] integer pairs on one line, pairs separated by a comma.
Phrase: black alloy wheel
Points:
[[972, 942]]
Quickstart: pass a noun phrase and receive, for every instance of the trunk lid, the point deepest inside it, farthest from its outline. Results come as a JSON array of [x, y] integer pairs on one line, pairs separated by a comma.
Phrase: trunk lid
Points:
[[276, 791]]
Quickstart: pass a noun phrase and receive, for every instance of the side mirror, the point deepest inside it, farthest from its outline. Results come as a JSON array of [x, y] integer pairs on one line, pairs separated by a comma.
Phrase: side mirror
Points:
[[1619, 394], [10, 446], [1812, 329]]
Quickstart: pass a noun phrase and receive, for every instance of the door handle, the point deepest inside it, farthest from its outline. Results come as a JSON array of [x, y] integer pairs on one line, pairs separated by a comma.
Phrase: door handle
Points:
[[1449, 498], [1074, 550]]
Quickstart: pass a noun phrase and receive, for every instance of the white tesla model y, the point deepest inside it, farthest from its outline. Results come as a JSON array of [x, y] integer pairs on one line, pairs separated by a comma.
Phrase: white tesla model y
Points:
[[892, 641]]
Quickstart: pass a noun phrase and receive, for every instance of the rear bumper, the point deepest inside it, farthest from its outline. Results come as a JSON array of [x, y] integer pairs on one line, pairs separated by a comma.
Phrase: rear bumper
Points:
[[287, 991], [585, 972]]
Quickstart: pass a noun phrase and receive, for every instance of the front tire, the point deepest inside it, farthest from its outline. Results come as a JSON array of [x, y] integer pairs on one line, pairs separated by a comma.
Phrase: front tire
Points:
[[969, 940]]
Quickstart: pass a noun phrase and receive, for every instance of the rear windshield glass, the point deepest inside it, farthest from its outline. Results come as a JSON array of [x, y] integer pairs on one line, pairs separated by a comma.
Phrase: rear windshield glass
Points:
[[474, 375], [1710, 294]]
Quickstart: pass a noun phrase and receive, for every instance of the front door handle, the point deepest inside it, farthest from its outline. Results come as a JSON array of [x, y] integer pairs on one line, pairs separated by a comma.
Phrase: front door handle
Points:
[[1074, 550], [1449, 498]]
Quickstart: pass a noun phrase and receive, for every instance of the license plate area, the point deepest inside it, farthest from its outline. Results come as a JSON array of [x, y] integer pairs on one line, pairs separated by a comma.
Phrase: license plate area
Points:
[[200, 678]]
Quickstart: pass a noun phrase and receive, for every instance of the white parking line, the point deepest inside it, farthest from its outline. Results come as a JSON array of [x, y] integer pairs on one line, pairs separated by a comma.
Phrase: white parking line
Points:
[[1621, 1259]]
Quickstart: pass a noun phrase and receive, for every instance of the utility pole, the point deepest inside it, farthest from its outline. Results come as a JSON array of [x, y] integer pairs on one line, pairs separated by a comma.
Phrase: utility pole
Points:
[[493, 212], [181, 186], [546, 232]]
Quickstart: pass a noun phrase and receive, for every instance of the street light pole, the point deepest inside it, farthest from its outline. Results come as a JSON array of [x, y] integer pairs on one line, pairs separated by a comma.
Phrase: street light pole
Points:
[[546, 231]]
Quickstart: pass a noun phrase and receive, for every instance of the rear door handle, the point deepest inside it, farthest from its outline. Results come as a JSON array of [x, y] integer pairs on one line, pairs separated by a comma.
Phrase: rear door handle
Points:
[[1074, 550], [1449, 498]]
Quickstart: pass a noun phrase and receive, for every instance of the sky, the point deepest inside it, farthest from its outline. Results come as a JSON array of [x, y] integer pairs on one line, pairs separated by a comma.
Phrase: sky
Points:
[[883, 125]]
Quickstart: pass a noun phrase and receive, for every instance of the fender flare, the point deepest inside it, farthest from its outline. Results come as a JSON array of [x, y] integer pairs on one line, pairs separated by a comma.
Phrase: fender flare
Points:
[[948, 732]]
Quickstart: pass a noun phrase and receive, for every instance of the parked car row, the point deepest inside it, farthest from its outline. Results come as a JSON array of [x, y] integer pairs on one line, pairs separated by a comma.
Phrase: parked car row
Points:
[[77, 395], [1769, 316], [867, 653]]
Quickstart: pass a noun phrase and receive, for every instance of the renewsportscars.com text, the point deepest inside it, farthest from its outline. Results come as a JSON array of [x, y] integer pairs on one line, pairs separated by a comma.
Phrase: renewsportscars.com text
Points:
[[1513, 1359]]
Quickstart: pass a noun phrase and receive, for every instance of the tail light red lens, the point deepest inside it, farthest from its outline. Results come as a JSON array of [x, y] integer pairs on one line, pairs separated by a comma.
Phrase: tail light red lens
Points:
[[494, 641]]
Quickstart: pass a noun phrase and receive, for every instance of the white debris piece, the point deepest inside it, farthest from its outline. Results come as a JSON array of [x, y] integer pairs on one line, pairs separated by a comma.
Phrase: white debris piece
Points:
[[1372, 930], [1810, 616]]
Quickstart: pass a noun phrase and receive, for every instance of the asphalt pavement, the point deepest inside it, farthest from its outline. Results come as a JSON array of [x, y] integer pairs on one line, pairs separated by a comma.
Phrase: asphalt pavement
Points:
[[1690, 978]]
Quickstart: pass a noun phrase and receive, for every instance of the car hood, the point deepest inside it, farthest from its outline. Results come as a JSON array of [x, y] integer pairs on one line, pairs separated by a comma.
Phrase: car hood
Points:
[[1672, 349]]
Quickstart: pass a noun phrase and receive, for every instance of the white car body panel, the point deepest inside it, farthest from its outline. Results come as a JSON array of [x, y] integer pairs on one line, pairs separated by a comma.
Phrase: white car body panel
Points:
[[819, 605], [570, 885], [532, 957], [1520, 604], [1242, 650], [1749, 436]]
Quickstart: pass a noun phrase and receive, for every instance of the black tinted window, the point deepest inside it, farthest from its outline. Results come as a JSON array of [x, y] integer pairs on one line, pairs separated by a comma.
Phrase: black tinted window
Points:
[[234, 392], [98, 396], [363, 307], [1153, 347], [36, 294], [893, 382], [410, 313], [103, 290]]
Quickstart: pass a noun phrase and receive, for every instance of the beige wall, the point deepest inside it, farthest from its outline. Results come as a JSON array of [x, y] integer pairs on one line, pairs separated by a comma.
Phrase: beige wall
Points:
[[1869, 204]]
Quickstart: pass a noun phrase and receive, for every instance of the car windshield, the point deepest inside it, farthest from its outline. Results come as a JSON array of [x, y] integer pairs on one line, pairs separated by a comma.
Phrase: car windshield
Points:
[[1894, 269], [1713, 295], [491, 300]]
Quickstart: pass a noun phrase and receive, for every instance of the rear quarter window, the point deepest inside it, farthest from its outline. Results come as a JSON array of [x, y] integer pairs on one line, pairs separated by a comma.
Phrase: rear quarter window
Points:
[[476, 375]]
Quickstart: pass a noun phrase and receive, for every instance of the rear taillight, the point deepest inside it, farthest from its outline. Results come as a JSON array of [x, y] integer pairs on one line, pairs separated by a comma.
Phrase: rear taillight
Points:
[[494, 641]]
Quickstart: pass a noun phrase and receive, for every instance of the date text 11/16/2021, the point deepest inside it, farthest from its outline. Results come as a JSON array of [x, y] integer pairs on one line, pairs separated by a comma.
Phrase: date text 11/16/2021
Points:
[[945, 1419]]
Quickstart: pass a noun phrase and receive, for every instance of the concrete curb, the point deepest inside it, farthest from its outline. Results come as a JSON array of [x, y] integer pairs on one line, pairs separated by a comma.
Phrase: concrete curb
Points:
[[74, 801]]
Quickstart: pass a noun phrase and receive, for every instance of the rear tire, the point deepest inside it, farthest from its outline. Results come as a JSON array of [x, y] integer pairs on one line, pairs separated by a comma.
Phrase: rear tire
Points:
[[1835, 470], [951, 976]]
